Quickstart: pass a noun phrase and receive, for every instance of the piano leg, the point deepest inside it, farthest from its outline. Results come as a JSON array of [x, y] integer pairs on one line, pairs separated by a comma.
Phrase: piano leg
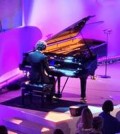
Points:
[[58, 94], [83, 81]]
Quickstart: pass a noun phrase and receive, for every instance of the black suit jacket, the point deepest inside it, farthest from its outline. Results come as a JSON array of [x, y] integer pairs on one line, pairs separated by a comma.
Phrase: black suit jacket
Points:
[[40, 68]]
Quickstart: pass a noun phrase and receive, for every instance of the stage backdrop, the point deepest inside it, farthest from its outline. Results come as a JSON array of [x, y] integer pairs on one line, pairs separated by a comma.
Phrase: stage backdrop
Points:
[[15, 42], [52, 16], [15, 39], [48, 17], [10, 14]]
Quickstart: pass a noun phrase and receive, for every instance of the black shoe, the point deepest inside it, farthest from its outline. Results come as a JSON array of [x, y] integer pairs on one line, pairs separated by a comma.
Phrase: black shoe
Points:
[[83, 100]]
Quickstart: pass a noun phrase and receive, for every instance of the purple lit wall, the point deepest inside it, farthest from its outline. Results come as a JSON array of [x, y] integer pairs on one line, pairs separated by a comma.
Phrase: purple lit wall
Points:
[[14, 40], [51, 16], [10, 14], [14, 43]]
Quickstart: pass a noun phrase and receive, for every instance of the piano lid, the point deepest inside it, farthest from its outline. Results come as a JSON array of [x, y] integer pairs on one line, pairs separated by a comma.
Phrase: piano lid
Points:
[[67, 40], [70, 32]]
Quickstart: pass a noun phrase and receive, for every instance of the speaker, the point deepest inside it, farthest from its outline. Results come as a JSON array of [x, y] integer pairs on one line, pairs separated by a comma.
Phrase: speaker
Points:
[[77, 109]]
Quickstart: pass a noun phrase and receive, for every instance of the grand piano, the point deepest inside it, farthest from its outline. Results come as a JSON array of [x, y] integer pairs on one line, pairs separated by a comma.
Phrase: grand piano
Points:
[[70, 55]]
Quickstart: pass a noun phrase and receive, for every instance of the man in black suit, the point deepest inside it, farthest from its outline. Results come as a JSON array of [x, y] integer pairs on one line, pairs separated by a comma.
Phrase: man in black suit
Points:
[[40, 68]]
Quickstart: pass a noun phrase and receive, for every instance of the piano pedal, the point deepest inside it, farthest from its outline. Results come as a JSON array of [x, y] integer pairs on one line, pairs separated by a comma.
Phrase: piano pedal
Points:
[[93, 77]]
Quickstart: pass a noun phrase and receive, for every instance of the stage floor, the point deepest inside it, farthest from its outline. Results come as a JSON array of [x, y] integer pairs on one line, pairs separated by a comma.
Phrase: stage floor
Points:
[[98, 91]]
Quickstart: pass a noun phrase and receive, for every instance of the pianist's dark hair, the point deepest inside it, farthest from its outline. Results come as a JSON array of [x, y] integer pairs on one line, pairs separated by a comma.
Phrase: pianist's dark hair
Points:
[[40, 45]]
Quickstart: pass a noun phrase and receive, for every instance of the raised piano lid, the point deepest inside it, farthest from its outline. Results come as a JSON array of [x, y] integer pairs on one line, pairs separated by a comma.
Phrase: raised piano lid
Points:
[[66, 41]]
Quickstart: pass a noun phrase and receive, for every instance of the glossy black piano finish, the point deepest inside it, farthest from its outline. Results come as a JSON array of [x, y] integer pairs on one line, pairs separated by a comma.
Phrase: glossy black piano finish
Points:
[[70, 55]]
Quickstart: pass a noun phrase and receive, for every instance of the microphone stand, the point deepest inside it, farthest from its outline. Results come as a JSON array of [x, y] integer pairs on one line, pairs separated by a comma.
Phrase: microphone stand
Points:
[[0, 26], [107, 32]]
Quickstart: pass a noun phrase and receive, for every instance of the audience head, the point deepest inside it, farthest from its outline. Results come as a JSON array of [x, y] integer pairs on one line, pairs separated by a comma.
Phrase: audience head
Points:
[[3, 129], [40, 45], [97, 123], [87, 118], [107, 106], [58, 131]]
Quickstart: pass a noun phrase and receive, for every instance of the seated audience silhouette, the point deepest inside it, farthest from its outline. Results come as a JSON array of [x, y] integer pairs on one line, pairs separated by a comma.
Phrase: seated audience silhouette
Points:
[[3, 129], [84, 123], [58, 131], [111, 125], [97, 125]]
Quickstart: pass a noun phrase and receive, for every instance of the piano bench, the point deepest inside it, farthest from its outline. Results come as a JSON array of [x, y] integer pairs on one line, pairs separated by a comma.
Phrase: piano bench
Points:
[[41, 90]]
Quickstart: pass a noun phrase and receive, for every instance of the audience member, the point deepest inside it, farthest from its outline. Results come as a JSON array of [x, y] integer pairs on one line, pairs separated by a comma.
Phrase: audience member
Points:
[[3, 129], [111, 125], [58, 131], [84, 123], [97, 125]]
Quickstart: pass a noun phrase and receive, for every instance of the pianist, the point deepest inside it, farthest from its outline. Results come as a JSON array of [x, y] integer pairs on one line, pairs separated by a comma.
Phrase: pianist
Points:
[[39, 66]]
